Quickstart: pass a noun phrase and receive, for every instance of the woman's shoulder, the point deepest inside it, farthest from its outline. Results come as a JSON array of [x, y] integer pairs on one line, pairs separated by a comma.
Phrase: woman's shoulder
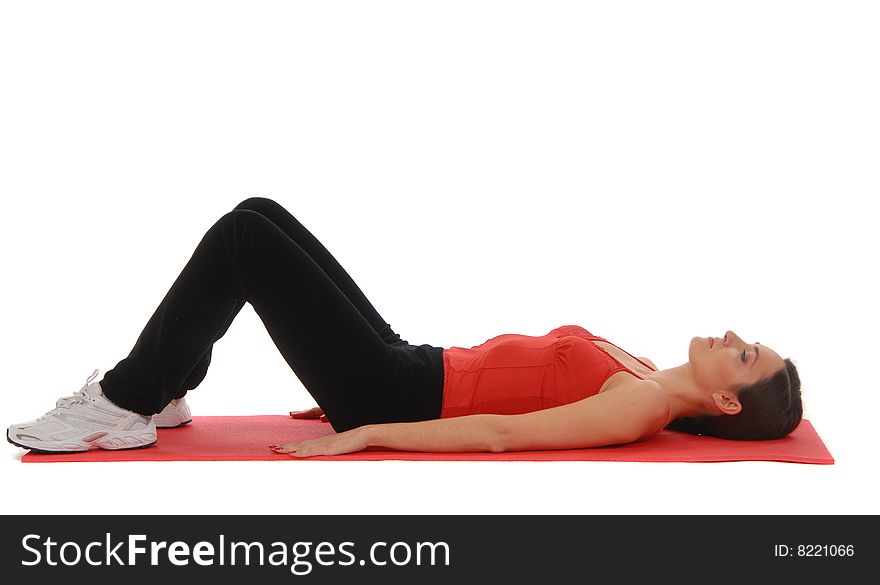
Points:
[[652, 404], [649, 362]]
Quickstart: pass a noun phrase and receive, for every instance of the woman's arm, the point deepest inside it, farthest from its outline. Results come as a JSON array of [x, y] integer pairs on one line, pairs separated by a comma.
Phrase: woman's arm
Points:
[[476, 432], [635, 410], [479, 432], [632, 411], [626, 414]]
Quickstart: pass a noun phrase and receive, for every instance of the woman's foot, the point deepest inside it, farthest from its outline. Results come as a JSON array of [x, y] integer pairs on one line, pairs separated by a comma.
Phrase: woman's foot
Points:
[[86, 420], [176, 414]]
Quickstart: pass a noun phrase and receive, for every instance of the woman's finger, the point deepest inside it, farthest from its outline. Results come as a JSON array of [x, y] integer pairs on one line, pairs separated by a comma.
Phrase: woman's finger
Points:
[[282, 448], [314, 412], [336, 444]]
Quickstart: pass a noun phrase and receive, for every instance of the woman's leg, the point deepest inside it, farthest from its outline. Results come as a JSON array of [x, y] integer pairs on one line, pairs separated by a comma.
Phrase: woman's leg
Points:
[[350, 370], [314, 248], [295, 230]]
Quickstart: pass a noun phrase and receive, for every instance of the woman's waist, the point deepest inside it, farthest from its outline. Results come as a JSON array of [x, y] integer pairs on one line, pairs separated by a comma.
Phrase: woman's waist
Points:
[[522, 386]]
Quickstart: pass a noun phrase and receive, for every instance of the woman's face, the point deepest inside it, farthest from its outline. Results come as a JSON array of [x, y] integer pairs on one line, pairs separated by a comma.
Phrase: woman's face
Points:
[[721, 362]]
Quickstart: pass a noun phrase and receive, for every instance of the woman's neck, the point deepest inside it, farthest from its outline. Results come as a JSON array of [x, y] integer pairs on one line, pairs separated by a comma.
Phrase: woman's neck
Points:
[[685, 398]]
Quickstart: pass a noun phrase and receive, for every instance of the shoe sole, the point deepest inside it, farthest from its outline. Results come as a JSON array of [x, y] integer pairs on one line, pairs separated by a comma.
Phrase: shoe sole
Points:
[[43, 451], [186, 422]]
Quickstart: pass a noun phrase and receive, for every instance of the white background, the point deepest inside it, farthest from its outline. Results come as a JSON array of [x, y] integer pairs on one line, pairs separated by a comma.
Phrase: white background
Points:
[[651, 171]]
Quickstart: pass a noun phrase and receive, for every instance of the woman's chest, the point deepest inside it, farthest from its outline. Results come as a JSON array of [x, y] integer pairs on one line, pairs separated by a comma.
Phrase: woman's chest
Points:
[[625, 360]]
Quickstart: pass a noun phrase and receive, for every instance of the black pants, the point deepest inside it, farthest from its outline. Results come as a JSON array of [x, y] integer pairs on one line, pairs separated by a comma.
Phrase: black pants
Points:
[[354, 365]]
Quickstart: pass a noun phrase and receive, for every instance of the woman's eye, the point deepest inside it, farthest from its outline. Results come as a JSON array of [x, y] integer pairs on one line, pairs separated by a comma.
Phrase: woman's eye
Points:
[[744, 356]]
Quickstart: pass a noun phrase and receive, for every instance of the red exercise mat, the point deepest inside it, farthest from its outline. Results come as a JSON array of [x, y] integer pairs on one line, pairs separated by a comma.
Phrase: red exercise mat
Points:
[[246, 438]]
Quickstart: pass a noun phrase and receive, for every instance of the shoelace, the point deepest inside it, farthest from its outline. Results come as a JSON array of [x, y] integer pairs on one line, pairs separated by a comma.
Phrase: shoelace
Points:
[[79, 397]]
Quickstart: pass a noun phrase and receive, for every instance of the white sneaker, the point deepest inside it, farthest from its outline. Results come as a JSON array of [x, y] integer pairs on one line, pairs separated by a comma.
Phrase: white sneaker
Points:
[[84, 421], [176, 414]]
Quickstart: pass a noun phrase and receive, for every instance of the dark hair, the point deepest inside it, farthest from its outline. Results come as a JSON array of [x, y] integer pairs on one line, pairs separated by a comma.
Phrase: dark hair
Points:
[[771, 409]]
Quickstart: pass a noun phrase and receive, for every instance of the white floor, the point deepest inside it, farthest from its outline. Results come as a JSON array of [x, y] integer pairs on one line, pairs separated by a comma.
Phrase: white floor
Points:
[[394, 487]]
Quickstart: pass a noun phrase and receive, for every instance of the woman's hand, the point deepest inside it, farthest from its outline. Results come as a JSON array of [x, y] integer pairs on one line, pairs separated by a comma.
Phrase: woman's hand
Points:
[[315, 412], [345, 442]]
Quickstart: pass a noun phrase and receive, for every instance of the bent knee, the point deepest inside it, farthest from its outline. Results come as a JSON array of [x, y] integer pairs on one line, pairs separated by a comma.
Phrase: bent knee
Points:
[[240, 218], [256, 203]]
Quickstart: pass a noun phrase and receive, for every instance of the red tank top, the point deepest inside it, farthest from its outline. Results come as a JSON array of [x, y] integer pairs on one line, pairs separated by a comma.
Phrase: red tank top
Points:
[[513, 374]]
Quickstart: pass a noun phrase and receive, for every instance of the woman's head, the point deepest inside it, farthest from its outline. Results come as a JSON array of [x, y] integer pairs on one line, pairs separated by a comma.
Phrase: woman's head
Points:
[[753, 393]]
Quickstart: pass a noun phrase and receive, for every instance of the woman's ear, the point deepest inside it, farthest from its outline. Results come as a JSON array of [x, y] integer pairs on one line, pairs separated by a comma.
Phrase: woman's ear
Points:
[[726, 403]]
